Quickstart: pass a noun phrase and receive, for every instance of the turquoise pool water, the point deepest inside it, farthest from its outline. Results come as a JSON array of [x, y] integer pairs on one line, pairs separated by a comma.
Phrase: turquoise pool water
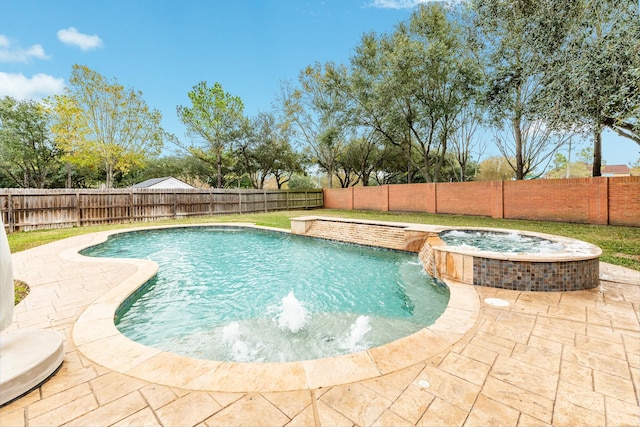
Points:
[[243, 294]]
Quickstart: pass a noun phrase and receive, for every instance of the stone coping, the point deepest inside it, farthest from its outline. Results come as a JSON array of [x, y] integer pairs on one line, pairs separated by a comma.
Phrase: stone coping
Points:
[[96, 337], [574, 250]]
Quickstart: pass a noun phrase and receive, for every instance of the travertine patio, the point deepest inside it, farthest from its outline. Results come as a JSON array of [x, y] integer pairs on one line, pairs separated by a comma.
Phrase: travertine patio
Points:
[[570, 358]]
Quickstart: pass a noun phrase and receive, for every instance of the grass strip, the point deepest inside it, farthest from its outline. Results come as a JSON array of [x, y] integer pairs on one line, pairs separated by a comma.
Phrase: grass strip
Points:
[[620, 245]]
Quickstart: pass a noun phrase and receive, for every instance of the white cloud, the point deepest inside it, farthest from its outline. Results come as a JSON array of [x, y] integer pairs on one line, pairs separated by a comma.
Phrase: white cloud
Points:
[[37, 87], [403, 4], [83, 41], [11, 53]]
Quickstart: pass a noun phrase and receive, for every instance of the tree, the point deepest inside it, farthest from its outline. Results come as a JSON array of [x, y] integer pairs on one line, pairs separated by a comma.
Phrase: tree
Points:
[[318, 113], [635, 168], [411, 86], [393, 168], [514, 36], [362, 157], [495, 168], [374, 96], [28, 154], [288, 163], [535, 147], [300, 182], [594, 80], [70, 133], [465, 139], [562, 168], [215, 118], [113, 125], [266, 151], [447, 80], [185, 168]]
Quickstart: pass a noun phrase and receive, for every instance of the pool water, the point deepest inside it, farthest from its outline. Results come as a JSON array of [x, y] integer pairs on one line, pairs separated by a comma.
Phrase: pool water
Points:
[[513, 242], [249, 295]]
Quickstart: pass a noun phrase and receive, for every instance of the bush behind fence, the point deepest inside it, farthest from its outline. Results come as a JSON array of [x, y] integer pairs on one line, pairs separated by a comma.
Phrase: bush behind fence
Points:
[[32, 209]]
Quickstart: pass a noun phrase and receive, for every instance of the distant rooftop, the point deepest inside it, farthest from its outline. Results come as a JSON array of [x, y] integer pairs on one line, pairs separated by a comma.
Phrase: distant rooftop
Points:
[[165, 182], [615, 169]]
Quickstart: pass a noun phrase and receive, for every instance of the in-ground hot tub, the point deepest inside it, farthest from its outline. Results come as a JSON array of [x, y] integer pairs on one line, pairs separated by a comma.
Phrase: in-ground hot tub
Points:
[[555, 264]]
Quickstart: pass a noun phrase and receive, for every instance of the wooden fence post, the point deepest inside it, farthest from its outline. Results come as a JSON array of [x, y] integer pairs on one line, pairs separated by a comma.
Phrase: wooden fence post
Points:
[[175, 208], [10, 218], [131, 205], [78, 211], [264, 194]]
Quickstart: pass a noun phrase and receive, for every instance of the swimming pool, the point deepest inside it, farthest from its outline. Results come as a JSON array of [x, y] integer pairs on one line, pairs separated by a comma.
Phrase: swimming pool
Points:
[[239, 294]]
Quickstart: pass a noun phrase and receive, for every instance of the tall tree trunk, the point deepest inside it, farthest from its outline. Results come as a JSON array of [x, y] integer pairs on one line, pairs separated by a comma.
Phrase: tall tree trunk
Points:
[[597, 151], [365, 177], [409, 171], [568, 174], [517, 133], [109, 170], [440, 164], [219, 166]]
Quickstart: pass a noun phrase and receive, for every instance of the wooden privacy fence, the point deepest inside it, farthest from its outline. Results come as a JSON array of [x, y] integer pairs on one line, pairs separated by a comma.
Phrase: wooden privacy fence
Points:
[[31, 209]]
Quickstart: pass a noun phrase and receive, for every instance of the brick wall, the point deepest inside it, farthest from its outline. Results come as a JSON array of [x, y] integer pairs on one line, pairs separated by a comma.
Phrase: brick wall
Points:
[[566, 200], [371, 198], [624, 201], [613, 201], [340, 198], [454, 197], [412, 197]]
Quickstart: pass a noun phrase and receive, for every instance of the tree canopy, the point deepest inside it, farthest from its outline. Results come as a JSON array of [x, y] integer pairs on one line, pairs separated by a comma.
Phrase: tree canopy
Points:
[[28, 154], [214, 118], [593, 80], [101, 122], [421, 103]]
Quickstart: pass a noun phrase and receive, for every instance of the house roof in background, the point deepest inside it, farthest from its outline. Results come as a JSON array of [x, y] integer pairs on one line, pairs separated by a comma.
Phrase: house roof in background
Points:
[[155, 181], [617, 169], [149, 182]]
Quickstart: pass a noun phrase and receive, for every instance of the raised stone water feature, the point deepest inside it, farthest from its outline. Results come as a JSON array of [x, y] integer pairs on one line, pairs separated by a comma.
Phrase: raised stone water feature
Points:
[[516, 260]]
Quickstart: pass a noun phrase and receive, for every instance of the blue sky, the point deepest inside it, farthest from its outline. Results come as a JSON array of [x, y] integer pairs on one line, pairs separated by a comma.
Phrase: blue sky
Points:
[[163, 48]]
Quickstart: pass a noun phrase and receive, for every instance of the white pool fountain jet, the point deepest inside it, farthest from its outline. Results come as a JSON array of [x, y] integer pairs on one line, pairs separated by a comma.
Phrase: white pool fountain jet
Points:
[[293, 316], [238, 348], [27, 357], [355, 341]]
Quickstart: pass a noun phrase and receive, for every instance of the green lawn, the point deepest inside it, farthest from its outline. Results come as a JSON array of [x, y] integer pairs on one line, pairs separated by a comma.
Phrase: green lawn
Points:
[[620, 245]]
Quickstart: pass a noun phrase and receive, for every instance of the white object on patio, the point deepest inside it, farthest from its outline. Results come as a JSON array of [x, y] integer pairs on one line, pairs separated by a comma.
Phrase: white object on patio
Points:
[[27, 357]]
